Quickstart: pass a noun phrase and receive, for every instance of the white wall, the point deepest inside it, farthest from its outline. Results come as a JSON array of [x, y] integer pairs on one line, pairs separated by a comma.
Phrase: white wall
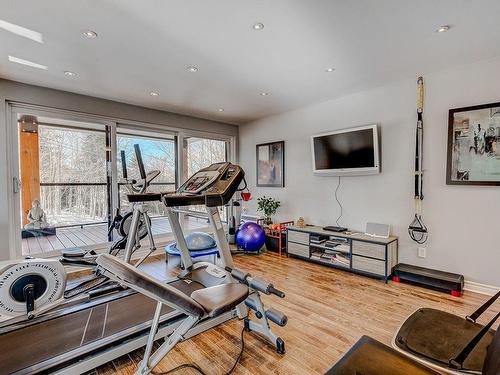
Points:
[[464, 222]]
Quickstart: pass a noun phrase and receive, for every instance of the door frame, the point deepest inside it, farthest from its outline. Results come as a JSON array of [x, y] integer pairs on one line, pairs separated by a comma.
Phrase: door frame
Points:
[[14, 204]]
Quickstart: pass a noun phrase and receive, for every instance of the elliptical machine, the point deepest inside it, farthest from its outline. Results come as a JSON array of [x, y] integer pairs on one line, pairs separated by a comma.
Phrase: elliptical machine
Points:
[[122, 224]]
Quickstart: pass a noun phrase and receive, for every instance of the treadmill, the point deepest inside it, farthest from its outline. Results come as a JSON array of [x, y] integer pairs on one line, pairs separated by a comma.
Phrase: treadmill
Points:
[[100, 325]]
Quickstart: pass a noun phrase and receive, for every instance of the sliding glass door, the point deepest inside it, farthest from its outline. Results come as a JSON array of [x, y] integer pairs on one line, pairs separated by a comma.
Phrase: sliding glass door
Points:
[[158, 153]]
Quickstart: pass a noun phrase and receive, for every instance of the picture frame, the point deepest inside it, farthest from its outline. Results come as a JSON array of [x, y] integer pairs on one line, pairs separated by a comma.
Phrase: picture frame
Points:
[[270, 164], [473, 156]]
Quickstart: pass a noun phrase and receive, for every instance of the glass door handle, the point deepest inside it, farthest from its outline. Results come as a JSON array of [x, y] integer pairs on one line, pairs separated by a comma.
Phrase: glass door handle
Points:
[[16, 185]]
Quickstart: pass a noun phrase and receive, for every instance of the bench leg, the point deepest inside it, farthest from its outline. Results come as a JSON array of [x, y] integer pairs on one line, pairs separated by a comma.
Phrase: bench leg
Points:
[[263, 327], [150, 361]]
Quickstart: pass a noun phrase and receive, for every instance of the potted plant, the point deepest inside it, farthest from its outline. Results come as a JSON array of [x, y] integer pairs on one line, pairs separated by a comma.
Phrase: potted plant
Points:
[[268, 206]]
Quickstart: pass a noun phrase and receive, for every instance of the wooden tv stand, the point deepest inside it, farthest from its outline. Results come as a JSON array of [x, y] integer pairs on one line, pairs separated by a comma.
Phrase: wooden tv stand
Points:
[[351, 251]]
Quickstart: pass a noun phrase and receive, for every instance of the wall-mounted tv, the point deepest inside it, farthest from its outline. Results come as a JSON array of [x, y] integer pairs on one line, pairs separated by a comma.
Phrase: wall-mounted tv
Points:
[[353, 151]]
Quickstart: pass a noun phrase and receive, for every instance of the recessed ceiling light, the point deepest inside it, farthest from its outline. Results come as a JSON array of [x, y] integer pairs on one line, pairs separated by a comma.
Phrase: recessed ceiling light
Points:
[[258, 26], [264, 93], [154, 93], [443, 28], [69, 73], [192, 69], [21, 31], [90, 34], [26, 62], [329, 70], [221, 109]]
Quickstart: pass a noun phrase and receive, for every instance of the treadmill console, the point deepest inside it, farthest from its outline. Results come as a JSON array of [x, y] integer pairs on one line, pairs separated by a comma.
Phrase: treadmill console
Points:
[[212, 186], [202, 179]]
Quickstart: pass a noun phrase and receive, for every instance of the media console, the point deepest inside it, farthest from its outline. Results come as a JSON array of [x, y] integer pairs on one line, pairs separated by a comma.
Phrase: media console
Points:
[[354, 252]]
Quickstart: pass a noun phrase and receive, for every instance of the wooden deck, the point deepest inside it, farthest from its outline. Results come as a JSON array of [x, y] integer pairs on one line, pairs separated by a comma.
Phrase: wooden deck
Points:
[[91, 235]]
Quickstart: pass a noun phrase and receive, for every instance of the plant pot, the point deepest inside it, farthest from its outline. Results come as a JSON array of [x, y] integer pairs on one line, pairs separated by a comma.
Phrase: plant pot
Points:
[[268, 221]]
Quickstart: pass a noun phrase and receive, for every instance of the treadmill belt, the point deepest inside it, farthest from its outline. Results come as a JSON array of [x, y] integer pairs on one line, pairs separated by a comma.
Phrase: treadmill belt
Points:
[[439, 336], [64, 338], [60, 336]]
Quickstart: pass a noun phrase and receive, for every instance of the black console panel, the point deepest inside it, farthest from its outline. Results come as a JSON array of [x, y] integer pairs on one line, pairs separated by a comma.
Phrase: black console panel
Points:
[[212, 186]]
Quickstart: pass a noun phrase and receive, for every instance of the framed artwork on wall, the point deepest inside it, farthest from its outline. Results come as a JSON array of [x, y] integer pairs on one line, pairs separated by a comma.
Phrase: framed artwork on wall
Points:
[[474, 145], [271, 164]]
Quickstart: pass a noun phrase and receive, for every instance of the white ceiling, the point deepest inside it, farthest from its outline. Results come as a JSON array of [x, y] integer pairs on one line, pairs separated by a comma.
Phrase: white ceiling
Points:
[[146, 45]]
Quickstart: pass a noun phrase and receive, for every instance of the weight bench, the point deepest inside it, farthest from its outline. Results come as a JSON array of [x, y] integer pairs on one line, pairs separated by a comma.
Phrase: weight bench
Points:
[[202, 304]]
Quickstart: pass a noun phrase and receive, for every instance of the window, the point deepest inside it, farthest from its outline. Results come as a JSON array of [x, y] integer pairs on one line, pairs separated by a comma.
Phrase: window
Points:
[[200, 153], [158, 153]]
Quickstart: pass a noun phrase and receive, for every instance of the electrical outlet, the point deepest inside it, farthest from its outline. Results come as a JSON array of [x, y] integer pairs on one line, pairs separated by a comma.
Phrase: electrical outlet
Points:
[[422, 252]]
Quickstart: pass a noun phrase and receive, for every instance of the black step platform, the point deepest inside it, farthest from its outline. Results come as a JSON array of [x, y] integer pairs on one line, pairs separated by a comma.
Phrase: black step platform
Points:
[[452, 283]]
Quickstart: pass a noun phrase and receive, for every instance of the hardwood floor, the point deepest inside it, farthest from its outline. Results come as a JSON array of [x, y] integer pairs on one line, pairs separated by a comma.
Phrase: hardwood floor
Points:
[[328, 310]]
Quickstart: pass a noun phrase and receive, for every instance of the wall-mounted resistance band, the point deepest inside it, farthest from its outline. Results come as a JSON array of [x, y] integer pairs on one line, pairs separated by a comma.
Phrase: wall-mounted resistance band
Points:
[[417, 229]]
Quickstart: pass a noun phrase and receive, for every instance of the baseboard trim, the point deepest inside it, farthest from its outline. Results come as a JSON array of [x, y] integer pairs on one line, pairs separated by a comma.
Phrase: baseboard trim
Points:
[[472, 286]]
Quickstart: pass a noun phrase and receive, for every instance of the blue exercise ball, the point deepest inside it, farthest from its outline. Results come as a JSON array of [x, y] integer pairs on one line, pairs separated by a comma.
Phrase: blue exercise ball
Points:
[[250, 236], [200, 241]]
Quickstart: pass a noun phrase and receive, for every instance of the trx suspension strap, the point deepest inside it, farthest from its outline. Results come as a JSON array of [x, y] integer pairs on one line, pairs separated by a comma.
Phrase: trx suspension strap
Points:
[[417, 229], [476, 314]]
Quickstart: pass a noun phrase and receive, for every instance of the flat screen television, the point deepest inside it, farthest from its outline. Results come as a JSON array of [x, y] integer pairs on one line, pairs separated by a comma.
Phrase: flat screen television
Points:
[[353, 151]]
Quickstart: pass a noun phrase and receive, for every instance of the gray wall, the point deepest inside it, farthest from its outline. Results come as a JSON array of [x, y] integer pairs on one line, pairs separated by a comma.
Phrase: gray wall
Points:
[[19, 92], [463, 220]]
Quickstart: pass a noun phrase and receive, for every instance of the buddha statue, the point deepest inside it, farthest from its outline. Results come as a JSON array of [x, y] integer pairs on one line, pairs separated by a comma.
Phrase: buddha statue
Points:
[[36, 217]]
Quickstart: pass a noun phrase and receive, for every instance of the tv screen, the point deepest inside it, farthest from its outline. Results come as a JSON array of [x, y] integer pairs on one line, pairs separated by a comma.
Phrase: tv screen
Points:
[[346, 151]]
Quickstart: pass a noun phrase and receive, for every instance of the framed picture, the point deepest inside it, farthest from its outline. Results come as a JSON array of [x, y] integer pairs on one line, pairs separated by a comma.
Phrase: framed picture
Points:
[[271, 164], [474, 145]]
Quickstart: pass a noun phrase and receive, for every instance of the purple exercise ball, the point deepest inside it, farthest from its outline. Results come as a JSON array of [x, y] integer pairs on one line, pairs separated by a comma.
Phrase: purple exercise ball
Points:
[[250, 236]]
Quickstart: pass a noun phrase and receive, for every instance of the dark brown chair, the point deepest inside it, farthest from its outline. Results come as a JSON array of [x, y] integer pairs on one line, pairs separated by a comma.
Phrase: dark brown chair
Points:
[[370, 357]]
